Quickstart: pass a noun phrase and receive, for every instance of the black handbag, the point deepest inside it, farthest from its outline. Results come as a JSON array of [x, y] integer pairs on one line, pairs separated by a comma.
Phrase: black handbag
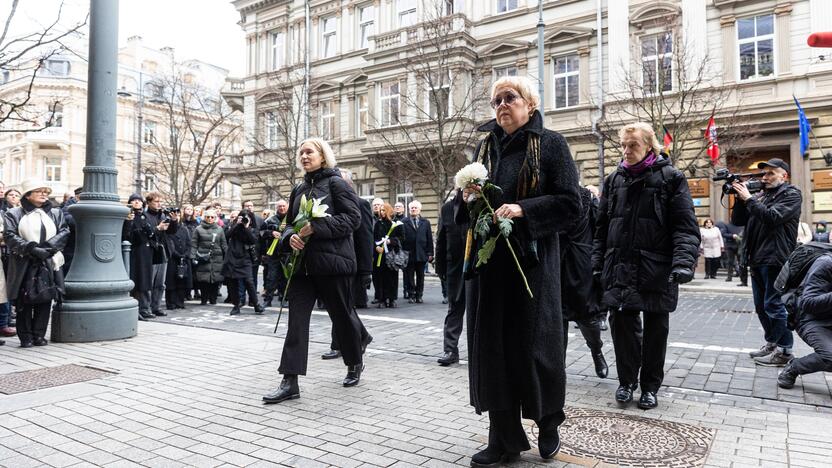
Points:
[[39, 286], [396, 260], [181, 269]]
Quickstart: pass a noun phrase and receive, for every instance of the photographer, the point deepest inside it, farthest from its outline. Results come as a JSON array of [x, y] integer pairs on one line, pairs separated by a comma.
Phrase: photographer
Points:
[[140, 233], [157, 218], [178, 279], [275, 280], [239, 261], [770, 218], [248, 207]]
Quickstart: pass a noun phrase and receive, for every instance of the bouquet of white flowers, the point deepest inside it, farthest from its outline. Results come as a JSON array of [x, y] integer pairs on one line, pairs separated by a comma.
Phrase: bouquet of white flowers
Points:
[[308, 209], [483, 217]]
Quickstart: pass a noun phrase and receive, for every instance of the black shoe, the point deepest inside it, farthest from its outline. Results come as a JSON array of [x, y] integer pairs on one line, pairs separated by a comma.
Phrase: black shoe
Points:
[[160, 313], [366, 343], [146, 315], [728, 280], [258, 309], [418, 300], [288, 390], [787, 376], [648, 400], [235, 310], [624, 394], [353, 375], [268, 302], [203, 302], [375, 301], [492, 456], [447, 359], [25, 344], [742, 285], [411, 301], [213, 302], [331, 354], [548, 443], [142, 318], [252, 304], [601, 368], [170, 307], [40, 342]]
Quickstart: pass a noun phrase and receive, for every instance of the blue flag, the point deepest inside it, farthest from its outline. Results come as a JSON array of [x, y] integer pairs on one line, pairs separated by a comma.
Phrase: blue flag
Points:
[[805, 128]]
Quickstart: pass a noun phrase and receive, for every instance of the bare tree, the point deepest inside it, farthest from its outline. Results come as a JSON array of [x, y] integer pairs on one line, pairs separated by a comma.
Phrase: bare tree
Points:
[[198, 133], [673, 89], [445, 93], [24, 56]]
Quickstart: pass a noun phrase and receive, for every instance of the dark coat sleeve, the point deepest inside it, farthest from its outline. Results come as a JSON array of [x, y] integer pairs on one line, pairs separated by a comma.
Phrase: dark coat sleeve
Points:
[[599, 243], [685, 230], [544, 215], [816, 298], [347, 218], [785, 210], [440, 255], [363, 238], [739, 215]]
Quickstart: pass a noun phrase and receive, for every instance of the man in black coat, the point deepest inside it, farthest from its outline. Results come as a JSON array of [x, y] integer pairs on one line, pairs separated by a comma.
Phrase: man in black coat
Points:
[[770, 218], [646, 244], [248, 206], [418, 241], [730, 238], [161, 252], [815, 323], [275, 281], [450, 252], [140, 233]]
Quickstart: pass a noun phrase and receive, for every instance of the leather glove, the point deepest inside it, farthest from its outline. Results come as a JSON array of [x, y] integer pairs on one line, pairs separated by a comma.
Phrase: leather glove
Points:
[[680, 276], [366, 281], [596, 275], [41, 253]]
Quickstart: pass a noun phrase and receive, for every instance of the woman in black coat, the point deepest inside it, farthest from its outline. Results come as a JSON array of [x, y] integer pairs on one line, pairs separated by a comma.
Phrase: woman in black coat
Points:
[[326, 270], [178, 278], [35, 234], [515, 342], [239, 259], [388, 278]]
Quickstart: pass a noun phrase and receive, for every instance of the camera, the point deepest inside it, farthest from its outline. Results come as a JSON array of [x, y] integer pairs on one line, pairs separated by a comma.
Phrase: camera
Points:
[[168, 211], [753, 185]]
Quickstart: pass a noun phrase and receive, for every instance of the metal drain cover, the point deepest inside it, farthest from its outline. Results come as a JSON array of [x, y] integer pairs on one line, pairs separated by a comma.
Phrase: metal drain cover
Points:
[[27, 381], [621, 439]]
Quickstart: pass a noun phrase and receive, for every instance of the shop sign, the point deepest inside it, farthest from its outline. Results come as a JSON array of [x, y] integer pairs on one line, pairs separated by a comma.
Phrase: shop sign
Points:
[[822, 180], [700, 188], [823, 201]]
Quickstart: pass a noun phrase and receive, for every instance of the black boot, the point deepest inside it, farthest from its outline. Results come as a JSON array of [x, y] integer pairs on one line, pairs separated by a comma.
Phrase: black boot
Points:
[[353, 375], [493, 456], [267, 301], [787, 376], [259, 309], [624, 394], [288, 390], [548, 443], [235, 310], [601, 368], [648, 400]]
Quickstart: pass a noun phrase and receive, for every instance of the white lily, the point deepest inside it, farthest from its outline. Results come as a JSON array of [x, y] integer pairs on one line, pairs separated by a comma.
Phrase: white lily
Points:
[[319, 209]]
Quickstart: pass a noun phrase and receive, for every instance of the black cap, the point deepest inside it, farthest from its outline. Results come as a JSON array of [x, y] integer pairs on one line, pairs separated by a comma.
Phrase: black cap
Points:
[[135, 196], [775, 162]]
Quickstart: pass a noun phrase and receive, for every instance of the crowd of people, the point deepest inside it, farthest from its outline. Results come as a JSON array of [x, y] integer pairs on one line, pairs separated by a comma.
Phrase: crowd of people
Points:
[[574, 253]]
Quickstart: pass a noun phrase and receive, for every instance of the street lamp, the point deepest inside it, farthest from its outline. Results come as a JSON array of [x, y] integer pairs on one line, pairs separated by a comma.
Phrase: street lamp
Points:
[[139, 132]]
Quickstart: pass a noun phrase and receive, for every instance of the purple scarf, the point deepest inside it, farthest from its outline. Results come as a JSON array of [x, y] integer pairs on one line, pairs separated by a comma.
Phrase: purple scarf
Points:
[[641, 166]]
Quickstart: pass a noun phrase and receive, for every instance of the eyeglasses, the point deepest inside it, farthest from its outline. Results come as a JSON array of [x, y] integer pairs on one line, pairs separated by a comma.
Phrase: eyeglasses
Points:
[[507, 99], [43, 192], [210, 217]]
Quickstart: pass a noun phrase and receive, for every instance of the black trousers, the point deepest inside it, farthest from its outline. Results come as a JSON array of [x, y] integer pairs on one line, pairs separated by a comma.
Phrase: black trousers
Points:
[[506, 432], [640, 350], [414, 282], [357, 283], [590, 329], [359, 291], [32, 321], [453, 325], [175, 298], [819, 337], [711, 266], [731, 261], [388, 283], [234, 290], [274, 282], [335, 291], [209, 291], [376, 283]]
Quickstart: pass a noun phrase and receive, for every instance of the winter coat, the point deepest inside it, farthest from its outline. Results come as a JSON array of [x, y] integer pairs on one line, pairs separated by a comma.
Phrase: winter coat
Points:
[[330, 250], [161, 243], [180, 254], [363, 239], [711, 242], [418, 241], [579, 297], [515, 342], [141, 235], [277, 224], [3, 294], [450, 250], [770, 218], [646, 229], [241, 253], [815, 301], [728, 231], [20, 256], [396, 239], [209, 239], [191, 224]]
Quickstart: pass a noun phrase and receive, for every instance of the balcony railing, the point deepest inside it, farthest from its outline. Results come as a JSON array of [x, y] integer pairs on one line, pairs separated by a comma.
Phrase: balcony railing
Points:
[[434, 29], [49, 135]]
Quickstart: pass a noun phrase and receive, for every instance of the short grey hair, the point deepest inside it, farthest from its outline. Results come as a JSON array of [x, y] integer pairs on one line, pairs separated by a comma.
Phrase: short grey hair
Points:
[[415, 203], [524, 87]]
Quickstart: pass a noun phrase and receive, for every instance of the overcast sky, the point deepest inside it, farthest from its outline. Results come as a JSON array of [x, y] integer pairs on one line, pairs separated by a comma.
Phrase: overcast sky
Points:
[[197, 29]]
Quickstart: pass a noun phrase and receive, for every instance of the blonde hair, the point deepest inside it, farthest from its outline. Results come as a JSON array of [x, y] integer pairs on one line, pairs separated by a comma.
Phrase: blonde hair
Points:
[[648, 135], [522, 85], [322, 147]]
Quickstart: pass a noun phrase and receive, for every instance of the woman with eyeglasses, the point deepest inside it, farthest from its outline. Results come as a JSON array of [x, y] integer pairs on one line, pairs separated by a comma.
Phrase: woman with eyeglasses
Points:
[[515, 342], [208, 247]]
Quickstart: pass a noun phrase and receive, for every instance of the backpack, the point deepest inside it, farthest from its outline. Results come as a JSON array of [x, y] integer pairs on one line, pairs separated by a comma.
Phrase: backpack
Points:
[[790, 278]]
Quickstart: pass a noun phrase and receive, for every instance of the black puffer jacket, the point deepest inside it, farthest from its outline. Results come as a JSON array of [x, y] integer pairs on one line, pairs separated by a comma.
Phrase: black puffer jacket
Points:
[[646, 229], [363, 239], [770, 219], [240, 256], [816, 299], [330, 250]]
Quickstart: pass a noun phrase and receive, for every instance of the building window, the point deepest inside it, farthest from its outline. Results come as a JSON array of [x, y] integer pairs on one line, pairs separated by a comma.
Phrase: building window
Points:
[[219, 190], [367, 190], [404, 193], [271, 129], [506, 5], [2, 170], [389, 104], [56, 119], [366, 25], [505, 71], [657, 63], [327, 116], [148, 132], [330, 36], [154, 91], [278, 50], [19, 168], [52, 169], [406, 12], [56, 67], [149, 183], [439, 94], [449, 7], [363, 107], [567, 71], [755, 37]]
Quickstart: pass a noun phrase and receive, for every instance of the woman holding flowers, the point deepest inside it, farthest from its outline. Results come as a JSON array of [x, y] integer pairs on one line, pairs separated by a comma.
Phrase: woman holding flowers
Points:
[[515, 328], [325, 269], [389, 237]]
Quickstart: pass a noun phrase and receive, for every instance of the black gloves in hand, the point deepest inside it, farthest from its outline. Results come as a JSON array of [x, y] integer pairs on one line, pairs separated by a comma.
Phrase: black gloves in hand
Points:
[[680, 276], [366, 281], [42, 253]]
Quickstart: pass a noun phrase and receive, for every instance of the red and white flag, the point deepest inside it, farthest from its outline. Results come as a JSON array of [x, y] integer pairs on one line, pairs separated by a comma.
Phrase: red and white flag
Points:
[[713, 143]]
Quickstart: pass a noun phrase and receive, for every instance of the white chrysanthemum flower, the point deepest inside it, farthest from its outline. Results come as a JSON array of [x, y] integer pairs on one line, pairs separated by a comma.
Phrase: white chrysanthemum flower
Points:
[[470, 173]]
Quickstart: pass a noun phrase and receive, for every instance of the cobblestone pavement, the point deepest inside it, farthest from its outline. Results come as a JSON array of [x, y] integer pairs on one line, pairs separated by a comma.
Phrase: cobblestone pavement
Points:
[[190, 396]]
